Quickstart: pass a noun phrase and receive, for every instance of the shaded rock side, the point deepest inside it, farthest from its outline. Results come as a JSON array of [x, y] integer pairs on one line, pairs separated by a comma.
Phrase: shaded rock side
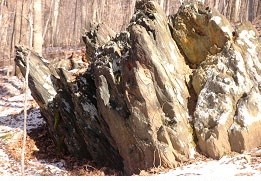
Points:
[[227, 81], [66, 97]]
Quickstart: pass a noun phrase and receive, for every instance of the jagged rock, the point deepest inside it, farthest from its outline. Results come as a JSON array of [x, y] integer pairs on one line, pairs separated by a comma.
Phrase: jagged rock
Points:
[[98, 35], [144, 99], [222, 82], [245, 130], [66, 97], [225, 80], [200, 31], [137, 104]]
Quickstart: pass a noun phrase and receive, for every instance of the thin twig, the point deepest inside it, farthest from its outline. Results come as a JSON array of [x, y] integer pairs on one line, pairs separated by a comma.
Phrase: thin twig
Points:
[[25, 114], [25, 99]]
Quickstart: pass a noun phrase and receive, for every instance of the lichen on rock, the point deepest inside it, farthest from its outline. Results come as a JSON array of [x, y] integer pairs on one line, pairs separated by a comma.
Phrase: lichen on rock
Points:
[[223, 83]]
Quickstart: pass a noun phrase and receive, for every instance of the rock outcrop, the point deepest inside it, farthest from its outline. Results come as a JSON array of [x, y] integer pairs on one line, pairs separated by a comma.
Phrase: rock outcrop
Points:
[[200, 31], [227, 80], [153, 93]]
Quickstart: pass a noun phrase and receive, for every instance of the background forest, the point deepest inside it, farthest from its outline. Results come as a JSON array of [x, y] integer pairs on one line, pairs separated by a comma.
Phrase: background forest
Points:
[[60, 23]]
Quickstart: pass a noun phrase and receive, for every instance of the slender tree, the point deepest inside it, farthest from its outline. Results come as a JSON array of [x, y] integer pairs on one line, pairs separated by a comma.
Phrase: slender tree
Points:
[[37, 26], [250, 10]]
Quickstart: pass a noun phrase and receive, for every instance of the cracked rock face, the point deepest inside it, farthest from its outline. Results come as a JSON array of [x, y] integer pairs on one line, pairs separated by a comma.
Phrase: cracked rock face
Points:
[[227, 81], [144, 99], [200, 31], [151, 94]]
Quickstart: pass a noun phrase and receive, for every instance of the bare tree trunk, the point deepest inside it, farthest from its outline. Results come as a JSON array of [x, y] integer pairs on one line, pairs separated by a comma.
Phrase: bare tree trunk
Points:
[[161, 2], [250, 10], [16, 34], [83, 17], [237, 9], [55, 20], [167, 7], [75, 19], [48, 20], [95, 15], [23, 153], [37, 26], [258, 11]]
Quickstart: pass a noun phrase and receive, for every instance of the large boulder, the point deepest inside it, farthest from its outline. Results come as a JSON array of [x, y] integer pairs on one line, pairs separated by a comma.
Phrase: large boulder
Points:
[[199, 31], [142, 93], [227, 81], [151, 94], [66, 97]]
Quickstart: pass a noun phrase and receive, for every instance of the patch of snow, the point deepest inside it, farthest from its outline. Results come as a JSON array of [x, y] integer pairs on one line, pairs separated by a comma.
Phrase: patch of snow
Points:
[[90, 108], [217, 19], [170, 92], [11, 126], [73, 71], [252, 33], [34, 120], [246, 115], [56, 168], [3, 155], [192, 153], [246, 37], [240, 42], [66, 105], [226, 166], [240, 61], [13, 105], [47, 78], [235, 126], [49, 88], [226, 29]]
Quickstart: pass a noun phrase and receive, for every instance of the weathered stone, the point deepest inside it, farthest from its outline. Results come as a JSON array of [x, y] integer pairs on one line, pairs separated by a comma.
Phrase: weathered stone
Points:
[[245, 131], [67, 100], [98, 35], [144, 99], [200, 31], [137, 104], [222, 82]]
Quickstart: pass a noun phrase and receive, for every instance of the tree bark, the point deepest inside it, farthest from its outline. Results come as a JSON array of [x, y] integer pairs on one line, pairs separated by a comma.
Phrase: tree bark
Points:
[[37, 26], [55, 28], [250, 10]]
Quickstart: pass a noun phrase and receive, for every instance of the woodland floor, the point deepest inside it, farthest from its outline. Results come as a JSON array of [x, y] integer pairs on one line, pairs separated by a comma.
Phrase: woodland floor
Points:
[[43, 159]]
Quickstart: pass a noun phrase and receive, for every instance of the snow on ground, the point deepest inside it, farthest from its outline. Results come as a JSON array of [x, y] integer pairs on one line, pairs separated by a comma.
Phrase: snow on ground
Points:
[[11, 126], [239, 165], [12, 167]]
